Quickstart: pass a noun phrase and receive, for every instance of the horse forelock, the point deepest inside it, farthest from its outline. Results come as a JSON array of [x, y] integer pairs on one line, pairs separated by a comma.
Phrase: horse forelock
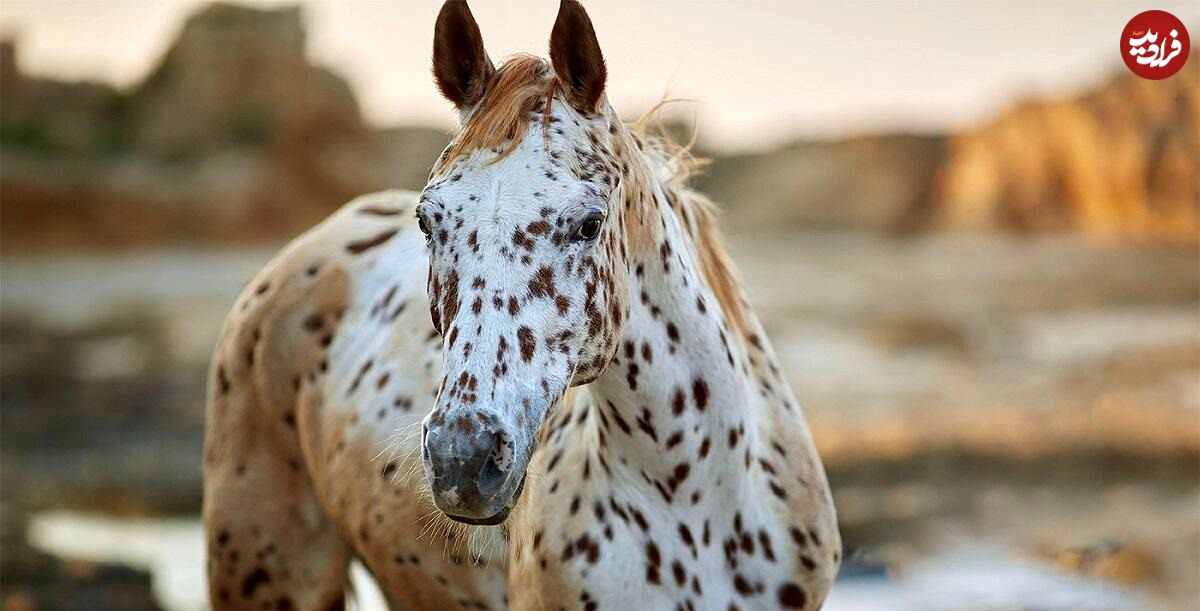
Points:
[[523, 89]]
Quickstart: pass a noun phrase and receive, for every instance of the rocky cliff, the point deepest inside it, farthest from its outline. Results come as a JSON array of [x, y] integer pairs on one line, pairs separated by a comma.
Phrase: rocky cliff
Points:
[[241, 76], [873, 182], [237, 136], [1122, 161]]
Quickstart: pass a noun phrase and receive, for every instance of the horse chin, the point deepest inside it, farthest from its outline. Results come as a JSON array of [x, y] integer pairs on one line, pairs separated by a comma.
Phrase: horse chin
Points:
[[499, 517], [495, 520]]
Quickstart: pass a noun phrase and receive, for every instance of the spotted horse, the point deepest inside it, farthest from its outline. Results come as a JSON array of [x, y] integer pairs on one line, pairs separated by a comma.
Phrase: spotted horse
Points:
[[535, 385]]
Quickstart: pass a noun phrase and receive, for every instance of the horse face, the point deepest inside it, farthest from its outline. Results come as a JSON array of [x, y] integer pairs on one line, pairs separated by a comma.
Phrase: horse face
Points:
[[526, 278]]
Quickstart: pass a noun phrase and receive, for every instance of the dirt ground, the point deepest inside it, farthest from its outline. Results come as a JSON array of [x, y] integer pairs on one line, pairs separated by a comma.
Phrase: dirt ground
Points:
[[1035, 396]]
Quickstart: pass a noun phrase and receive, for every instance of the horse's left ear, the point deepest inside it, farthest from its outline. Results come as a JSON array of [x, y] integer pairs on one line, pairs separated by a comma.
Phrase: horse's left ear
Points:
[[575, 53]]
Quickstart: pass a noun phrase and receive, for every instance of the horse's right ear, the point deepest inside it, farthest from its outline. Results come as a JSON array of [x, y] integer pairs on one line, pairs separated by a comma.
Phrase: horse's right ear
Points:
[[461, 67]]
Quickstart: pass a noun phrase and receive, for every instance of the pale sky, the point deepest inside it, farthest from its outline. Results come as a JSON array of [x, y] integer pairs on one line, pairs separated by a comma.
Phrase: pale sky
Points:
[[758, 72]]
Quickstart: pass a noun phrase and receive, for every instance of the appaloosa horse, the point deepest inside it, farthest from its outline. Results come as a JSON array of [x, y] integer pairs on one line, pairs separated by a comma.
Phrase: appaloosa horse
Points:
[[556, 333]]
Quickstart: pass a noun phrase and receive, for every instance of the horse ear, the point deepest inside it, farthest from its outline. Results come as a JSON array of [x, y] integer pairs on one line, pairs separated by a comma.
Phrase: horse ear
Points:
[[461, 66], [575, 53]]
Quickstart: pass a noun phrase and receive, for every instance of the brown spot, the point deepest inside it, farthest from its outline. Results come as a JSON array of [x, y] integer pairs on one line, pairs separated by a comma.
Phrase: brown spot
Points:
[[255, 579], [742, 586], [525, 339], [792, 597], [677, 403], [313, 322], [674, 439], [378, 211], [449, 301], [222, 379], [361, 246], [542, 283], [700, 393], [777, 490]]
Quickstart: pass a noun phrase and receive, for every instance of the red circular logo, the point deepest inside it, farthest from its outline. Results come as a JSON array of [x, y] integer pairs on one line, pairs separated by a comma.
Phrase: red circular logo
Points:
[[1155, 45]]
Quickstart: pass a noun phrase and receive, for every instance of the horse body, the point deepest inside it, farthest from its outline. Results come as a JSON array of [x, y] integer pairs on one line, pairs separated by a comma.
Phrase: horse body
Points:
[[564, 360], [327, 355]]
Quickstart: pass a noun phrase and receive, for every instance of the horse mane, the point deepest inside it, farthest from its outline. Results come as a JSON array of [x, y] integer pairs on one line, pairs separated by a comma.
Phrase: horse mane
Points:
[[524, 86], [715, 261], [674, 164], [520, 88]]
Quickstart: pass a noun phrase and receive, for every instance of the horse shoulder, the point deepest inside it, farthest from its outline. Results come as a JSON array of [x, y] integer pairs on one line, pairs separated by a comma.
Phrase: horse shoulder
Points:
[[275, 339]]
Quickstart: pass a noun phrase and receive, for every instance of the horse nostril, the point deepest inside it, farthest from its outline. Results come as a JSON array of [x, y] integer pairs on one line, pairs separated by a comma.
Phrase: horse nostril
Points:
[[470, 470], [494, 470], [491, 478]]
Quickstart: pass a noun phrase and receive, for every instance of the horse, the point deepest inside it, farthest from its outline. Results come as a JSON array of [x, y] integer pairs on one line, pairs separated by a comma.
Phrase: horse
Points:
[[537, 384]]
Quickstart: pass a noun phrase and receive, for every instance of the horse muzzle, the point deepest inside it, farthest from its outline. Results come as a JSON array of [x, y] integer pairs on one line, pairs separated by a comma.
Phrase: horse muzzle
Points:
[[475, 475]]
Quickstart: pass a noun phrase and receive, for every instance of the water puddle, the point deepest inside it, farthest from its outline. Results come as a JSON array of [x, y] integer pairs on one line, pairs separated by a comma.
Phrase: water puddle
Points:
[[980, 577], [171, 550]]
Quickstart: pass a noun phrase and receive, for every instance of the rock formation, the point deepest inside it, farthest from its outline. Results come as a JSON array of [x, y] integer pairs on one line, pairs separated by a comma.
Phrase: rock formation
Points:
[[236, 135], [1120, 161]]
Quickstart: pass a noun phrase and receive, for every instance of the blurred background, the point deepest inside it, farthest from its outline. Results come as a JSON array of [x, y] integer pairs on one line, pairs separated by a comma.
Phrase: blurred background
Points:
[[971, 232]]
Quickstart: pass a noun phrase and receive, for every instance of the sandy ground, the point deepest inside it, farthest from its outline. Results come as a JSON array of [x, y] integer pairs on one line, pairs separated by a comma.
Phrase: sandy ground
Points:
[[1019, 407]]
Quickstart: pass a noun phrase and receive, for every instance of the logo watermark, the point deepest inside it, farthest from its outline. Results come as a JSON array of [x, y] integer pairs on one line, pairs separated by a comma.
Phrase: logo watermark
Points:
[[1155, 45]]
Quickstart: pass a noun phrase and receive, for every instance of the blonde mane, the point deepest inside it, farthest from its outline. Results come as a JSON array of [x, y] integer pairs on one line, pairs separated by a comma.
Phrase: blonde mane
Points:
[[715, 261], [674, 164], [525, 86], [521, 87]]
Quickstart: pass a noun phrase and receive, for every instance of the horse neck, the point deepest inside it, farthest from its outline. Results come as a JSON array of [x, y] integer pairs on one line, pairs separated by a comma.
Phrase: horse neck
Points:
[[680, 400]]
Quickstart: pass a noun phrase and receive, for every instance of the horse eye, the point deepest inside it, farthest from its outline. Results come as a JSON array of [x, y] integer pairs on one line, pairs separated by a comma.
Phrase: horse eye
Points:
[[590, 229], [422, 225]]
